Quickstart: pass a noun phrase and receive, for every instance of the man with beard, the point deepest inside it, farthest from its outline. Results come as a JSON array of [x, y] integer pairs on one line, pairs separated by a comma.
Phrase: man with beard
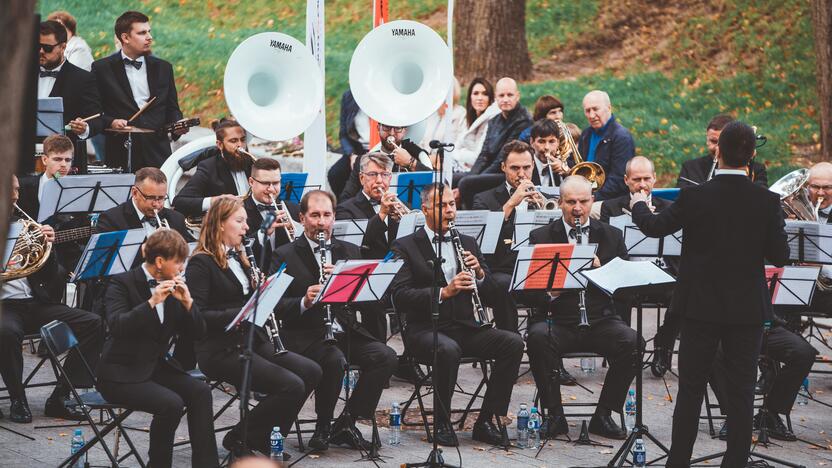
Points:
[[226, 172]]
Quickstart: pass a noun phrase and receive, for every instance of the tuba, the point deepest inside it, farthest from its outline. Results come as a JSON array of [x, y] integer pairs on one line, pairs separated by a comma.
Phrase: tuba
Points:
[[591, 171], [30, 252], [794, 196]]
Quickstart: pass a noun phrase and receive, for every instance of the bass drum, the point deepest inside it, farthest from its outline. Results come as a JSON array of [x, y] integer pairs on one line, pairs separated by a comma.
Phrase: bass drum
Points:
[[172, 167]]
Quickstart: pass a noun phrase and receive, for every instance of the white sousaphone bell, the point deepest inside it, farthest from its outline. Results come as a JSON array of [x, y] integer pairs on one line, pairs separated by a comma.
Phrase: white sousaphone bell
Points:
[[400, 73]]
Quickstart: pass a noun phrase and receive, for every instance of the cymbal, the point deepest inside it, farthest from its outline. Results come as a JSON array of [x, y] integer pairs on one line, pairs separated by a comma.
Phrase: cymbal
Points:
[[129, 129]]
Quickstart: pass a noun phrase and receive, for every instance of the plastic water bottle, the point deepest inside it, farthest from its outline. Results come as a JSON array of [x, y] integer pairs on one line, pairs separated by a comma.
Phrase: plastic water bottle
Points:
[[276, 439], [588, 365], [639, 454], [351, 379], [630, 411], [803, 394], [534, 429], [523, 426], [76, 445], [395, 424]]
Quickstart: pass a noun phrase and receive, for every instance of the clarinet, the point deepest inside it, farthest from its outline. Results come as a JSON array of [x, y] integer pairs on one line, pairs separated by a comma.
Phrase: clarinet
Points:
[[584, 323], [272, 328], [329, 338], [480, 316]]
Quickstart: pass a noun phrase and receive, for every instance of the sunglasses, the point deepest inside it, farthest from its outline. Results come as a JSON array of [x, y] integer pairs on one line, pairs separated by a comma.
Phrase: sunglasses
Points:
[[48, 48]]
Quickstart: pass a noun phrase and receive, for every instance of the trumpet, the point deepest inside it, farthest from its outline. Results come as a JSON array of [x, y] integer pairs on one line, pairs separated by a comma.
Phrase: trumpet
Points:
[[549, 204], [272, 328], [400, 210], [481, 317], [329, 337], [160, 223], [392, 142], [284, 216], [584, 320]]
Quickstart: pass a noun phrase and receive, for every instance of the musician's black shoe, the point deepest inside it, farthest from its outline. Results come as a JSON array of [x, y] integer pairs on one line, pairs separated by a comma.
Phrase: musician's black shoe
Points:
[[348, 435], [19, 411], [487, 432], [56, 408], [233, 444], [554, 426], [661, 362], [775, 427], [445, 435], [320, 438], [604, 426], [723, 431], [565, 378], [409, 372]]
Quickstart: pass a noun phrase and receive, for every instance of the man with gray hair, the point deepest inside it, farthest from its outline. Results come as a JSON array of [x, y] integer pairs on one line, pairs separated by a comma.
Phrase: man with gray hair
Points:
[[607, 143], [639, 176]]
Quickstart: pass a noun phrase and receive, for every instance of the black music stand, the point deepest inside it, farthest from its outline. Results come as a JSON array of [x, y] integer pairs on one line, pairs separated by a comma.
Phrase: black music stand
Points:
[[84, 194], [294, 185], [408, 187], [109, 253], [350, 224], [478, 229], [534, 222]]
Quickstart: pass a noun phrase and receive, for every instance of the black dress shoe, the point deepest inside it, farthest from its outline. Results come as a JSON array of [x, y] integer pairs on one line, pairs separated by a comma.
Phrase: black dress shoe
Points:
[[554, 426], [409, 372], [723, 431], [348, 435], [19, 411], [776, 428], [604, 426], [565, 378], [445, 435], [56, 408], [320, 438], [487, 432]]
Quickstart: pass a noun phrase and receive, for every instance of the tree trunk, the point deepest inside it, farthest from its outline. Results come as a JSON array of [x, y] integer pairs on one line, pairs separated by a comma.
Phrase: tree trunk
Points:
[[490, 40], [822, 21]]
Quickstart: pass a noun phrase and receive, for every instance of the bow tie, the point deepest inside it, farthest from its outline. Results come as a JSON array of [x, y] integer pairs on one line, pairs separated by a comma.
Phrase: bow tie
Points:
[[584, 232], [269, 208], [233, 254], [437, 238], [49, 73], [152, 283], [135, 63], [151, 220], [317, 248], [374, 202]]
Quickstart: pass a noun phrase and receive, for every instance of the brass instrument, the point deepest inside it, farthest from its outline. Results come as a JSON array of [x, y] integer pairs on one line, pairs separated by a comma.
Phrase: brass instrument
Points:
[[30, 252], [392, 141], [271, 326], [160, 223], [329, 337], [713, 170], [400, 210], [584, 321], [481, 317], [549, 204], [591, 171], [245, 153]]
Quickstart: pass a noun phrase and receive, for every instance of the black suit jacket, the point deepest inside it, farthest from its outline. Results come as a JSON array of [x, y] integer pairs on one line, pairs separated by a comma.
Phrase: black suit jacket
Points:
[[255, 219], [612, 153], [378, 236], [212, 178], [699, 169], [616, 206], [149, 149], [79, 91], [138, 342], [724, 248], [564, 308], [412, 287], [353, 185]]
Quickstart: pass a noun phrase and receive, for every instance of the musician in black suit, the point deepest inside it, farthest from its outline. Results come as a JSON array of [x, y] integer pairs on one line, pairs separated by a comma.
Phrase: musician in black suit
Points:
[[225, 172], [304, 326], [129, 79], [29, 303], [459, 333], [819, 189], [546, 138], [639, 176], [721, 292], [700, 170], [555, 326], [219, 276], [405, 154], [146, 307], [265, 190], [59, 78]]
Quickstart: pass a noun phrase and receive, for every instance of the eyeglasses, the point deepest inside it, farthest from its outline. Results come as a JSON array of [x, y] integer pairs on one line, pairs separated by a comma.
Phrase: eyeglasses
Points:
[[388, 129], [268, 184], [48, 48], [151, 198], [818, 188], [374, 174]]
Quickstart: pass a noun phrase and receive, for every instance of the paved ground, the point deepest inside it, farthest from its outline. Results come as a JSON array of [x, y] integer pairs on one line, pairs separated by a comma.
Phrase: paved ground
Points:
[[811, 422]]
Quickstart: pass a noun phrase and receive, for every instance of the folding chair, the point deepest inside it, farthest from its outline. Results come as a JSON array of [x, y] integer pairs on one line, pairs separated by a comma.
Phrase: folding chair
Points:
[[30, 340], [59, 339]]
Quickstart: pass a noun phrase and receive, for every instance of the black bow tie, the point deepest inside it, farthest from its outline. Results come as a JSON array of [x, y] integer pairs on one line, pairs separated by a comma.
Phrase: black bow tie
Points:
[[233, 254], [437, 238], [152, 283], [151, 220], [317, 248], [584, 231], [374, 202], [269, 208], [49, 73], [135, 63]]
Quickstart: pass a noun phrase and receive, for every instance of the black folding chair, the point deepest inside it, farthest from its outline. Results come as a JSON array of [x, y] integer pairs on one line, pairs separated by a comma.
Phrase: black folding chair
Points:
[[59, 340], [31, 341]]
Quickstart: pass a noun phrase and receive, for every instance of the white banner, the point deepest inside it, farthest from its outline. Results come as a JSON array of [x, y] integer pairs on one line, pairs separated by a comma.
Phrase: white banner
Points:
[[314, 139]]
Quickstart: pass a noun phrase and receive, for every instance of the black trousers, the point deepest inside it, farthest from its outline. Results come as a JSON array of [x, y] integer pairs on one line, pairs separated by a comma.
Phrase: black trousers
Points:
[[505, 310], [287, 380], [167, 395], [22, 317], [609, 337], [377, 361], [506, 348], [697, 354]]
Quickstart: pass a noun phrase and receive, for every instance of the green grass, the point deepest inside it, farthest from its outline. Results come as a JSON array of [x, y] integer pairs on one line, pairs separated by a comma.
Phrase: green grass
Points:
[[754, 59]]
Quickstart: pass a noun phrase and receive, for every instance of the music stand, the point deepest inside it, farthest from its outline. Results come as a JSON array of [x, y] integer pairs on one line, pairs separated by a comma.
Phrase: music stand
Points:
[[50, 116], [483, 225], [11, 239], [350, 230], [293, 186], [408, 186], [409, 223], [809, 241], [526, 221], [84, 194], [108, 253], [640, 245]]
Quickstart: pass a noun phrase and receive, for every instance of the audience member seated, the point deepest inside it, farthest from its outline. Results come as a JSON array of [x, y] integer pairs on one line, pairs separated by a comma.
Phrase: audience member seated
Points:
[[479, 109], [546, 107], [354, 136]]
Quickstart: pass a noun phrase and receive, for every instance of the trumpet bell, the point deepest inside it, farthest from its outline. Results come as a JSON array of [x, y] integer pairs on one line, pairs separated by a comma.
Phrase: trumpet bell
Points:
[[273, 86], [400, 73]]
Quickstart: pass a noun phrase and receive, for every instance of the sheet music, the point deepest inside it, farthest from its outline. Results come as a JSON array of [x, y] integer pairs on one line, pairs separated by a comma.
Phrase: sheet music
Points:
[[639, 245], [109, 253], [483, 225], [535, 266], [795, 284], [350, 230], [410, 223], [11, 239], [74, 194], [347, 276], [408, 187], [271, 291], [549, 191], [619, 273], [527, 221], [293, 186], [817, 241]]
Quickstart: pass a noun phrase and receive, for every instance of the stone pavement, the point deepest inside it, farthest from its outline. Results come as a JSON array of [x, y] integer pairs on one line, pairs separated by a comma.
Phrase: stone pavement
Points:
[[811, 422]]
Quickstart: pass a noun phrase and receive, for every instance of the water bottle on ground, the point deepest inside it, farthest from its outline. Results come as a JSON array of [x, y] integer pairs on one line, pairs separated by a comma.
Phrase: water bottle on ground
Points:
[[351, 379], [803, 394], [588, 365], [76, 445], [639, 454], [534, 429], [276, 439], [523, 426], [395, 424], [630, 411]]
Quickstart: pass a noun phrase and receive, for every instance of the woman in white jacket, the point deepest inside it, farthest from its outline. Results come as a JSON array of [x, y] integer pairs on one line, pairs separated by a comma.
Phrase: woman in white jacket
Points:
[[471, 130]]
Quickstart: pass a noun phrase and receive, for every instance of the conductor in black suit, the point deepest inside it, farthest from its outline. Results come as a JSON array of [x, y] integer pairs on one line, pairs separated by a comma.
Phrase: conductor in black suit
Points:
[[374, 203], [127, 80], [304, 330], [59, 78], [225, 172], [607, 334], [700, 170], [219, 276], [459, 333], [721, 291], [146, 307]]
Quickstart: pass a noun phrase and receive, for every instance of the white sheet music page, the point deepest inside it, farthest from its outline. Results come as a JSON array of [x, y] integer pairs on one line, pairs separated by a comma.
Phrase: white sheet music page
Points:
[[270, 293], [639, 245], [410, 223], [795, 284], [350, 230], [619, 273], [482, 225], [817, 241], [526, 221]]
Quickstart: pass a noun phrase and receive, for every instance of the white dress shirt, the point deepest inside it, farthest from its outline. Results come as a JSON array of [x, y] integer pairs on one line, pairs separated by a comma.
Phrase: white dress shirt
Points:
[[46, 83], [148, 228], [449, 266], [137, 80], [543, 171], [313, 244], [240, 183], [239, 273], [160, 307], [584, 237], [730, 172]]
